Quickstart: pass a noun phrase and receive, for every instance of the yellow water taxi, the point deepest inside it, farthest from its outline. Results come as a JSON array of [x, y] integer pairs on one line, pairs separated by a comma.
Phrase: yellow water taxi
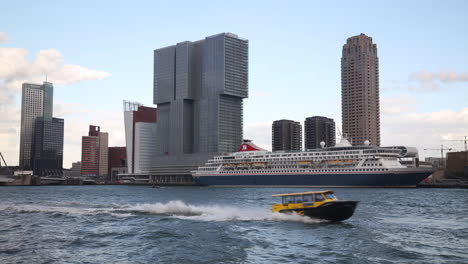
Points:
[[321, 204]]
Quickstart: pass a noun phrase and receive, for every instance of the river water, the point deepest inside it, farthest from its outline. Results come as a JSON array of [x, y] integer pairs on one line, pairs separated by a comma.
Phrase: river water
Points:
[[139, 224]]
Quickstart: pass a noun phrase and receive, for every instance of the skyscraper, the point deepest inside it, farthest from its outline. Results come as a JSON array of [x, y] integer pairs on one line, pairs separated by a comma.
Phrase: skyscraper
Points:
[[41, 138], [36, 101], [48, 147], [286, 135], [198, 88], [94, 152], [360, 90], [318, 129]]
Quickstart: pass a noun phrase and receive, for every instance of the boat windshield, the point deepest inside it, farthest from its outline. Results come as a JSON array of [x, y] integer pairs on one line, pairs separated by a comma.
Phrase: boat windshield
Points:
[[307, 198], [292, 199], [319, 198]]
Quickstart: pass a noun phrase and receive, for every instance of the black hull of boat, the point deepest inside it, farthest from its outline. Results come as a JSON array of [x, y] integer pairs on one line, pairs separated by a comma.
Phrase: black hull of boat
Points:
[[332, 211], [382, 179]]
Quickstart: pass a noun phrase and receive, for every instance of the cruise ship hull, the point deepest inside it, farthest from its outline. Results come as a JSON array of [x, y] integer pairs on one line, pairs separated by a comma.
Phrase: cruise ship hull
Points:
[[383, 179]]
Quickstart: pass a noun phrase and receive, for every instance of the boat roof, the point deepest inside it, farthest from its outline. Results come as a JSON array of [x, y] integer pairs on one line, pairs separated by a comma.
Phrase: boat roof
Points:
[[302, 193]]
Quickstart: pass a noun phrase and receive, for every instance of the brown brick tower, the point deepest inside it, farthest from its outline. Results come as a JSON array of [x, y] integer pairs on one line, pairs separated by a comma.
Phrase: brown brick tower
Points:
[[360, 107]]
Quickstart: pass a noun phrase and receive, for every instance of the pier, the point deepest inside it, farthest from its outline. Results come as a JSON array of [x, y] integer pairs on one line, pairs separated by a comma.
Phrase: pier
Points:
[[144, 179]]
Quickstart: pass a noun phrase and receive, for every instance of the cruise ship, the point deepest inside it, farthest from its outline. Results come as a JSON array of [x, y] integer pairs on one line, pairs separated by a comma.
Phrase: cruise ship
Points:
[[343, 165]]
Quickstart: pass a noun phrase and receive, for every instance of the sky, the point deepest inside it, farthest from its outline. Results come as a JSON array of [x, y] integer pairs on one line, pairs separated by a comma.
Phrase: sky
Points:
[[99, 53]]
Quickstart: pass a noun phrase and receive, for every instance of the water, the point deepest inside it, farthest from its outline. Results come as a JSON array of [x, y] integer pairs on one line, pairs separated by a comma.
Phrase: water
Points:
[[138, 224]]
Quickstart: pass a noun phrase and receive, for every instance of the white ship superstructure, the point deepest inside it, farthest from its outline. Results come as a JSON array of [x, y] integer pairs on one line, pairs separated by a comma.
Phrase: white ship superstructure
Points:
[[317, 167]]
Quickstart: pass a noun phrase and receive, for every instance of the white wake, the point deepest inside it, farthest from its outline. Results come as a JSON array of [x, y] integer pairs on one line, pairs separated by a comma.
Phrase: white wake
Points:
[[176, 209]]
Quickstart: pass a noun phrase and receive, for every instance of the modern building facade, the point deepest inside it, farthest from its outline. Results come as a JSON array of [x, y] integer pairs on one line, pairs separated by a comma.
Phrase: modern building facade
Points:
[[36, 101], [48, 147], [140, 136], [318, 129], [199, 89], [41, 138], [360, 103], [286, 135], [94, 152]]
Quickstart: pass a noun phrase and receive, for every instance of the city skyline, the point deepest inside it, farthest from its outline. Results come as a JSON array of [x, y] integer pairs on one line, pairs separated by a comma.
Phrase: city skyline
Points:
[[422, 67]]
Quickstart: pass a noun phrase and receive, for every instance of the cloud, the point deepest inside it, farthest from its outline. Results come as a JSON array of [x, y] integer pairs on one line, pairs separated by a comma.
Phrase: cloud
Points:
[[431, 81], [398, 104], [3, 37], [10, 117], [15, 69], [259, 133], [425, 130], [62, 110]]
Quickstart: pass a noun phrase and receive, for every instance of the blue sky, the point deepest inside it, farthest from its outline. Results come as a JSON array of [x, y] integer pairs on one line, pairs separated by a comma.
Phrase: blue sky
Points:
[[294, 60]]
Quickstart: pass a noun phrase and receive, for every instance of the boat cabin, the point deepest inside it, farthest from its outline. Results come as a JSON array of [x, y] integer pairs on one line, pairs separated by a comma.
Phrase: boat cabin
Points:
[[303, 199]]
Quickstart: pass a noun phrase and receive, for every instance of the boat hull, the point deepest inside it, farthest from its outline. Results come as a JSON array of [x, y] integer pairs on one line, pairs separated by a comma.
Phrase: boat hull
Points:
[[387, 179], [331, 211]]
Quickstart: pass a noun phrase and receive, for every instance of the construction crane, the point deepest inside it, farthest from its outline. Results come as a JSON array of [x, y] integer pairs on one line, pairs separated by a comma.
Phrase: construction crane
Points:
[[6, 166], [462, 140], [441, 153]]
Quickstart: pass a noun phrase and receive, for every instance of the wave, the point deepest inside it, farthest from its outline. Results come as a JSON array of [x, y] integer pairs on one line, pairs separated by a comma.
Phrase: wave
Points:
[[53, 209], [175, 209], [182, 210]]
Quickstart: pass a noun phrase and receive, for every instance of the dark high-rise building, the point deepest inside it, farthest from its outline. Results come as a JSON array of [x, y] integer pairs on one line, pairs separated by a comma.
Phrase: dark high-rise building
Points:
[[36, 101], [199, 89], [360, 104], [318, 129], [48, 147], [286, 135]]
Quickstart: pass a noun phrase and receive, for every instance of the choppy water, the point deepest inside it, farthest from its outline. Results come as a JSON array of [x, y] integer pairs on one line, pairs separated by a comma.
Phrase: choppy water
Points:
[[137, 224]]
